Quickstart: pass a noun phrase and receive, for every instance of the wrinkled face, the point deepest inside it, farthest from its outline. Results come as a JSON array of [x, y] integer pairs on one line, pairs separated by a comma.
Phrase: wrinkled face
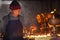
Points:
[[15, 12]]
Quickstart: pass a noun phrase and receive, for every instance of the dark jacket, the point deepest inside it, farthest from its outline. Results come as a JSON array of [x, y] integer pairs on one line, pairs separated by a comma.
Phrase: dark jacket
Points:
[[6, 19]]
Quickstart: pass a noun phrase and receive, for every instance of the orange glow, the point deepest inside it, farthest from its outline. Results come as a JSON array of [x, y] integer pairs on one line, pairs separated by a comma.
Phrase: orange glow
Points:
[[33, 36], [42, 14], [49, 15], [38, 17], [33, 27]]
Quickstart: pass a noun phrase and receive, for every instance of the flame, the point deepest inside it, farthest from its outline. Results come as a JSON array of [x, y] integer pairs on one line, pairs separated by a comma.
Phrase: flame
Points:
[[33, 27], [38, 17], [58, 34], [37, 36], [31, 36]]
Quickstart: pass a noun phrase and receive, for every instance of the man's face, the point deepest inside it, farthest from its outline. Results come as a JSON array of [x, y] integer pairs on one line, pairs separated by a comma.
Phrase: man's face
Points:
[[15, 12]]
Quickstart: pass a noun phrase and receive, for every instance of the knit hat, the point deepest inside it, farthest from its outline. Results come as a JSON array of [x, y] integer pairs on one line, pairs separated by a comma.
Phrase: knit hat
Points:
[[14, 5]]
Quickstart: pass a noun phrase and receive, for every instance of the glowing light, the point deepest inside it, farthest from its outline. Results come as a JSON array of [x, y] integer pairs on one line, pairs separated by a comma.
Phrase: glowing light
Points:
[[33, 36], [48, 34], [33, 27], [38, 17], [42, 14], [49, 15], [52, 12], [58, 34], [54, 9]]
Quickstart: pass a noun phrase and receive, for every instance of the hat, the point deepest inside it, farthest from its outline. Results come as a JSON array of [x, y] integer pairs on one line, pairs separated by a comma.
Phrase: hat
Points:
[[14, 5]]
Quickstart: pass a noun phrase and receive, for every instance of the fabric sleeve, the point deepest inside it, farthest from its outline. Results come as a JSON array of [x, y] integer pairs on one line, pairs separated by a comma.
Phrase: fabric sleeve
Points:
[[4, 23]]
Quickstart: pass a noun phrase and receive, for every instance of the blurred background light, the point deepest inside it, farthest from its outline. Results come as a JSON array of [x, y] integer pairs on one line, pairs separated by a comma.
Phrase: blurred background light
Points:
[[6, 2]]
